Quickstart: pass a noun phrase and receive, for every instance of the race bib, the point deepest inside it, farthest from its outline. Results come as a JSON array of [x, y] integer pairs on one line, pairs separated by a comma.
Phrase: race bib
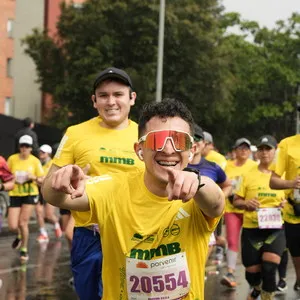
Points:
[[166, 278], [21, 177], [269, 218], [297, 195]]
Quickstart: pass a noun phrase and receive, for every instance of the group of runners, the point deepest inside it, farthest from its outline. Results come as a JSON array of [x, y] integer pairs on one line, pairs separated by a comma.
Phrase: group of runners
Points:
[[146, 200]]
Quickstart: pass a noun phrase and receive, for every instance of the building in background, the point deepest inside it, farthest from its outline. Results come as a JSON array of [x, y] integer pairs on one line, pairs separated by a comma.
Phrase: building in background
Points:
[[20, 95], [7, 17]]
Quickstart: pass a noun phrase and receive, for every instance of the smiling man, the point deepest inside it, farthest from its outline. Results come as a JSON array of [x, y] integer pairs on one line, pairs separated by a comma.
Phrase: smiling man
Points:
[[153, 246], [105, 143]]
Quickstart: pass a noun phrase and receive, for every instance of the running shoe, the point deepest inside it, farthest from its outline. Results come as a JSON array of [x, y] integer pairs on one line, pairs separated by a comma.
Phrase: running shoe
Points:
[[254, 294], [42, 238], [229, 280], [297, 286], [16, 244], [58, 232], [281, 287], [24, 256]]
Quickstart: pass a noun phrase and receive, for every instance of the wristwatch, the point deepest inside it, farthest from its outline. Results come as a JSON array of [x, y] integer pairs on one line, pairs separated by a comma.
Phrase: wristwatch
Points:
[[197, 172]]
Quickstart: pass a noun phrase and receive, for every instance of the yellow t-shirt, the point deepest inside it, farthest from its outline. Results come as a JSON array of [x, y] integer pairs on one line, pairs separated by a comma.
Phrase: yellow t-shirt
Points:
[[20, 168], [134, 223], [106, 150], [234, 173], [288, 162], [256, 184], [217, 158]]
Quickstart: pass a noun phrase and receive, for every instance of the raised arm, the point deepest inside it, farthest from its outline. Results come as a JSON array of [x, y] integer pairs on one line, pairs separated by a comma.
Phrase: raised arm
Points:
[[65, 187], [184, 185], [277, 183]]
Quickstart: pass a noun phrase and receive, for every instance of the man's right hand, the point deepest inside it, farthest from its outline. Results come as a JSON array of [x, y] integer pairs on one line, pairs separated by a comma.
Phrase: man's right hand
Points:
[[70, 180]]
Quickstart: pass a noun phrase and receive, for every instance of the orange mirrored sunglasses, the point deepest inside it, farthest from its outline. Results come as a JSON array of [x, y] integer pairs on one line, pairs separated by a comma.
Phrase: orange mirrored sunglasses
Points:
[[156, 140]]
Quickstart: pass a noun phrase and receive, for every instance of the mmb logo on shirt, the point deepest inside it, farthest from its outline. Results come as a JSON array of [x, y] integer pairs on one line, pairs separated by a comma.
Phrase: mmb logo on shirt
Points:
[[116, 160]]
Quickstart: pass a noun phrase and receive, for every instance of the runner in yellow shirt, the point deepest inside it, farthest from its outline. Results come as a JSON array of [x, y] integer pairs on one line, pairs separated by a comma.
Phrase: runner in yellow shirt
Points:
[[105, 143], [155, 224], [28, 173], [233, 216], [288, 162], [263, 238]]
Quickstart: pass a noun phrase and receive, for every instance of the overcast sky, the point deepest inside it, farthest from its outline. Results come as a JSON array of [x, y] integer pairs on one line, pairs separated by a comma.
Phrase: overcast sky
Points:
[[265, 12]]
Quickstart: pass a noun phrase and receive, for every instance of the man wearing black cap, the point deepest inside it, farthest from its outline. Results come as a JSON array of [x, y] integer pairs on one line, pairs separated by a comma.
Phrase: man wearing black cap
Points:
[[105, 144]]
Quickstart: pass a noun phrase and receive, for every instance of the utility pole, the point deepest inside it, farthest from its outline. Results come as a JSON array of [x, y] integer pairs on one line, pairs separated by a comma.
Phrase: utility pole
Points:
[[160, 55]]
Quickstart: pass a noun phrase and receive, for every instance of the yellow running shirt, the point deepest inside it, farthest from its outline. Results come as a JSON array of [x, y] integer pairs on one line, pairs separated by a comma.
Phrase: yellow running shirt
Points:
[[288, 161], [106, 150], [255, 184], [145, 238], [20, 168], [217, 158], [234, 173]]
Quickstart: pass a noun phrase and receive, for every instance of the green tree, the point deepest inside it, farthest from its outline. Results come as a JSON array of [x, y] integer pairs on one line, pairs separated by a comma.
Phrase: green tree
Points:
[[266, 71], [124, 34]]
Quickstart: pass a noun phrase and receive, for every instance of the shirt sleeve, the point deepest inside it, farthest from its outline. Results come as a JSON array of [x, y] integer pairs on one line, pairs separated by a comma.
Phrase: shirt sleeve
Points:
[[221, 176], [5, 172], [281, 160], [65, 151], [39, 169]]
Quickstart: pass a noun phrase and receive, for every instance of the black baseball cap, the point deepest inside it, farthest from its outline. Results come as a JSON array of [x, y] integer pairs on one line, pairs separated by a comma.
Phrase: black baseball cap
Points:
[[198, 132], [112, 73], [241, 141], [267, 140]]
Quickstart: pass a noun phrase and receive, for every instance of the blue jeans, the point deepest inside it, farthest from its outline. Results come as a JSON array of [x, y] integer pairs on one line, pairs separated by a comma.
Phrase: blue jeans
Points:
[[86, 260]]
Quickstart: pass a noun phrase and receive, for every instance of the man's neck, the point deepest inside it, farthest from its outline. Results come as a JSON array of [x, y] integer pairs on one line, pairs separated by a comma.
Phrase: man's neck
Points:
[[240, 162], [157, 188], [119, 126], [196, 159]]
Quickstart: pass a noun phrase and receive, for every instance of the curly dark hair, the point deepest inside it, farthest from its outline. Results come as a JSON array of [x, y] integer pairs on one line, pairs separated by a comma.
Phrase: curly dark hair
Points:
[[168, 108]]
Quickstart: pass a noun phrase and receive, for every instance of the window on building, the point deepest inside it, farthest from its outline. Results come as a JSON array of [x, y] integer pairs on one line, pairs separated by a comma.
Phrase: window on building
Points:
[[9, 67], [8, 106], [9, 27]]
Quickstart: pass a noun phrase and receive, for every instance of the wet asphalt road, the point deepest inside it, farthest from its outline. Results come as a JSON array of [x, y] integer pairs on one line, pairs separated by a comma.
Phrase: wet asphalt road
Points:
[[46, 275]]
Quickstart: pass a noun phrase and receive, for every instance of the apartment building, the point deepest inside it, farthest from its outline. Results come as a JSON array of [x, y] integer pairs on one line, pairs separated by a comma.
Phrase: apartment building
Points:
[[20, 95], [7, 17]]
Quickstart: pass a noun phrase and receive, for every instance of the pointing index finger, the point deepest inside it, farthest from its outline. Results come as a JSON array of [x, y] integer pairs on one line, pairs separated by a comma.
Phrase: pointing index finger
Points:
[[172, 174]]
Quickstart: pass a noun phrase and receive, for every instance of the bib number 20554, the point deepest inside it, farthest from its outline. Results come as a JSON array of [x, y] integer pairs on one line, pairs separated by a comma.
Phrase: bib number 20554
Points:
[[166, 278]]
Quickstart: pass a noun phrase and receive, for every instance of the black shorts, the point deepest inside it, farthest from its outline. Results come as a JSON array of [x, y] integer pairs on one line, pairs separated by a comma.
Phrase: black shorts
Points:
[[16, 201], [64, 211], [41, 198], [256, 241], [218, 230], [292, 233]]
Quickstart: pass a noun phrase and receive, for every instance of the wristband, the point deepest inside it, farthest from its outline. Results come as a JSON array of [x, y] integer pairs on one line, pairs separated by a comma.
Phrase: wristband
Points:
[[197, 172]]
